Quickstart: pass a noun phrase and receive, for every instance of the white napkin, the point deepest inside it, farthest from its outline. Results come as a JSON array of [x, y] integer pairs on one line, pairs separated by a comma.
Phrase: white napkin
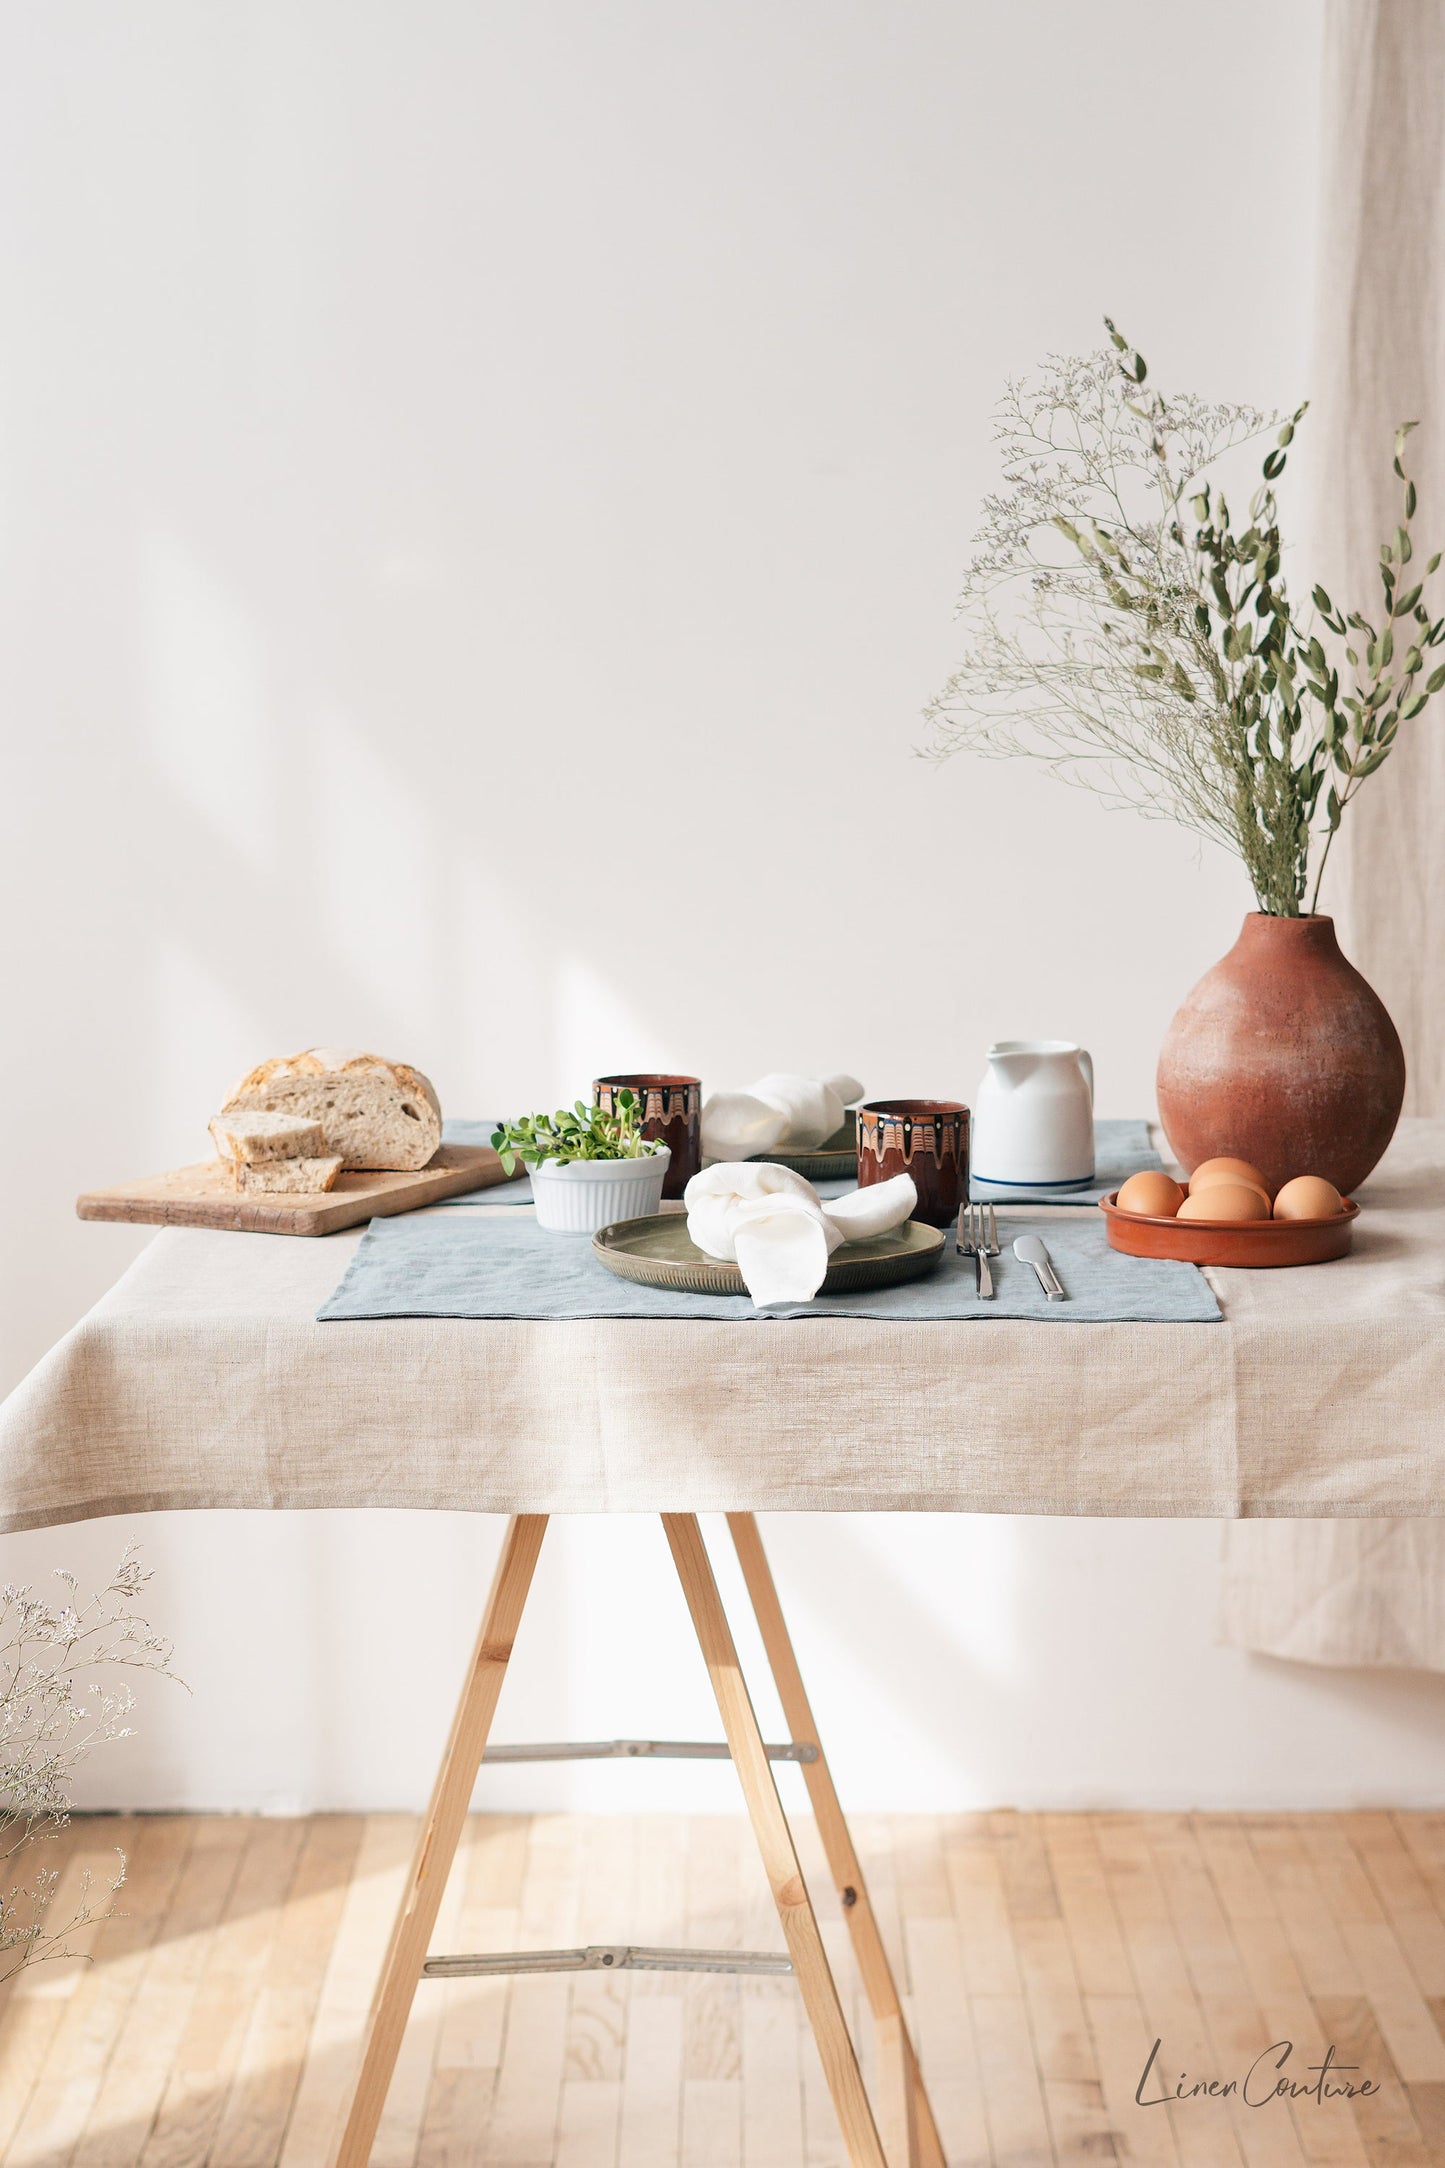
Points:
[[875, 1210], [796, 1113], [782, 1246], [713, 1198], [775, 1228]]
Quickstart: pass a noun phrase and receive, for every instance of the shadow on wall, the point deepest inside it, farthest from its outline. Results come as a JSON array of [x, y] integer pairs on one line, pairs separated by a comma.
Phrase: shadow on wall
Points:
[[480, 546], [963, 1662], [1037, 1664], [262, 845]]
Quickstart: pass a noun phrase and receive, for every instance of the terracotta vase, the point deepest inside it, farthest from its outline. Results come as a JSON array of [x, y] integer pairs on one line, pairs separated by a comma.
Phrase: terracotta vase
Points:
[[1283, 1055]]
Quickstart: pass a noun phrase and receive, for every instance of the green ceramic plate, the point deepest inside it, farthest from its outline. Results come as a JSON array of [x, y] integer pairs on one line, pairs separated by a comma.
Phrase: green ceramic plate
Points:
[[659, 1252], [834, 1159]]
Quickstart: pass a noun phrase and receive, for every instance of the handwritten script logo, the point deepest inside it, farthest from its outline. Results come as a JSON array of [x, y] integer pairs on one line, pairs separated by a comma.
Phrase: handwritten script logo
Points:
[[1260, 2084]]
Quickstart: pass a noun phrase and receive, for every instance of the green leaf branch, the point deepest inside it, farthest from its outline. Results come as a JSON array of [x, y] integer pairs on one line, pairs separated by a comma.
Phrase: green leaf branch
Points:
[[1127, 632], [1391, 683]]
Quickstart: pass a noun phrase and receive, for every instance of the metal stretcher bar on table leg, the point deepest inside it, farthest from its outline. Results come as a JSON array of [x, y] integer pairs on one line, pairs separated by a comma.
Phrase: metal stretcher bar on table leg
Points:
[[607, 1957], [796, 1750]]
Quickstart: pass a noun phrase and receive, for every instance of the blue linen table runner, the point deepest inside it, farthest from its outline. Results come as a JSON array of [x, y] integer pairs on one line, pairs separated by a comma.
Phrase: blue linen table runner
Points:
[[502, 1264], [1121, 1148]]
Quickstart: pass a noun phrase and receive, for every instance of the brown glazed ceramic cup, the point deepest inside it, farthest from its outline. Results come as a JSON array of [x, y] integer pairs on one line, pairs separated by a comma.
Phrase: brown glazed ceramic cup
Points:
[[927, 1138], [671, 1110]]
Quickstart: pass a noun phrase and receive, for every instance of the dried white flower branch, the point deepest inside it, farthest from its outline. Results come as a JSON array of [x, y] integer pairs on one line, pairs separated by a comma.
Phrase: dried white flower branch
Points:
[[1124, 632], [53, 1713]]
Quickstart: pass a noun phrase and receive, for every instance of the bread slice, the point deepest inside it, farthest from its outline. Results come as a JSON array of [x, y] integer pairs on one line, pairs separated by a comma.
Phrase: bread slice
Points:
[[285, 1177], [257, 1136], [375, 1113]]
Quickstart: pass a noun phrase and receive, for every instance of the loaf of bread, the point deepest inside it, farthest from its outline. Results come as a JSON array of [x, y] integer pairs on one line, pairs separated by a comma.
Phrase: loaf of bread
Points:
[[256, 1136], [285, 1177], [374, 1113]]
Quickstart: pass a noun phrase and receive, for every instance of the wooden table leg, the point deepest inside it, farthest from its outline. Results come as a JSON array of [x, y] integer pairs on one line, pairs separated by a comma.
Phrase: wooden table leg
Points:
[[899, 2091], [775, 1842], [915, 2129], [440, 1834]]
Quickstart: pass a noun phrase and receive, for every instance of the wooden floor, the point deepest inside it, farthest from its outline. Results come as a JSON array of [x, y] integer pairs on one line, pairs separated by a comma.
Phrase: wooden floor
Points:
[[1042, 1956]]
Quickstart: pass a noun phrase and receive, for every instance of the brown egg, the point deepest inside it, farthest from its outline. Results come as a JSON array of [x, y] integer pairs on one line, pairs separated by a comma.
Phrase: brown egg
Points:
[[1209, 1169], [1308, 1196], [1202, 1182], [1152, 1193], [1225, 1201]]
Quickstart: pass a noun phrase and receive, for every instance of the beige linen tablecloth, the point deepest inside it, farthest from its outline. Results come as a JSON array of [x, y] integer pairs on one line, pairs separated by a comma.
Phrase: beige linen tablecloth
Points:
[[202, 1380]]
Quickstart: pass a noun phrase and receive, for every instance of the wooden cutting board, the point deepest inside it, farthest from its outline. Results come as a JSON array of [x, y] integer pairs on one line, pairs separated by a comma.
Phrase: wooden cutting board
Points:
[[201, 1196]]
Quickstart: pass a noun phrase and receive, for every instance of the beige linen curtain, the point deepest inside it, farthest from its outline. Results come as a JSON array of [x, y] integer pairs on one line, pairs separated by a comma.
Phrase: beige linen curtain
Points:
[[1373, 1592]]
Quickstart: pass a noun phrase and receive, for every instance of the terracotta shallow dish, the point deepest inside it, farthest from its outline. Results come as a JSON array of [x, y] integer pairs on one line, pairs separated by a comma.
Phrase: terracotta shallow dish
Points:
[[1250, 1243]]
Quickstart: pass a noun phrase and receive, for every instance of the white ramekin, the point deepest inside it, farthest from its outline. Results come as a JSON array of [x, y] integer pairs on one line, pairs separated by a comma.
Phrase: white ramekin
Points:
[[577, 1196]]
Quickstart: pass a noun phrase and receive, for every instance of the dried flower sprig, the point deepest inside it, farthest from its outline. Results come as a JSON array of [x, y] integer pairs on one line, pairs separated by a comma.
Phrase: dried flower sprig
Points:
[[53, 1712], [1152, 652]]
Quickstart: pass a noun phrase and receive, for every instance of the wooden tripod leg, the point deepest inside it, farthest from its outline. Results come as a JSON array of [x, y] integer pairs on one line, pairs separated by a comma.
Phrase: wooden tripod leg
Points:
[[440, 1833], [893, 2040], [775, 1842], [900, 2091]]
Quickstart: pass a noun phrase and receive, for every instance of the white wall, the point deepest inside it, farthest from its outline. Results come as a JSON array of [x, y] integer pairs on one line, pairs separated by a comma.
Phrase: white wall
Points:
[[462, 465]]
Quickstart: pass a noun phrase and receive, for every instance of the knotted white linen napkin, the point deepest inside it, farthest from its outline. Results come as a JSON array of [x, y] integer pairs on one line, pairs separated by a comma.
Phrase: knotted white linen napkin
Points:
[[779, 1112], [775, 1228]]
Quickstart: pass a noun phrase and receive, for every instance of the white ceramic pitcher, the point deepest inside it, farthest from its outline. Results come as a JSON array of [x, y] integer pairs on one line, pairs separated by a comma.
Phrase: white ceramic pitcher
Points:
[[1033, 1118]]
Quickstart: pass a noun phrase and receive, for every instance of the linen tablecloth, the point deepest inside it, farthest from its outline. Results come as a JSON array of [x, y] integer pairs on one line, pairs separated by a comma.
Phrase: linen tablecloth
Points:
[[202, 1379]]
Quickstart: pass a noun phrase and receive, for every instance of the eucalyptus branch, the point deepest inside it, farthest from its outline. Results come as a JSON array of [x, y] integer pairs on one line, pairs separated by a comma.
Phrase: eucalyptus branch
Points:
[[1152, 652]]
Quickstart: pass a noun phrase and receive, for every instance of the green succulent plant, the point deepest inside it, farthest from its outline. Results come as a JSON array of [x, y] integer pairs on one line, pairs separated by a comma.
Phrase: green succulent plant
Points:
[[581, 1132]]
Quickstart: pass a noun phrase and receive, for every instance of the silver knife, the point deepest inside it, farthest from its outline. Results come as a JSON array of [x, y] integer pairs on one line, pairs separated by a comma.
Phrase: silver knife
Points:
[[1031, 1251]]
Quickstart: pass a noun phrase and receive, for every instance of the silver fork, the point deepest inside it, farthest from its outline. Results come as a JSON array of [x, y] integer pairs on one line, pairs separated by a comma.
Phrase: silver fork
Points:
[[989, 1247], [977, 1238]]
